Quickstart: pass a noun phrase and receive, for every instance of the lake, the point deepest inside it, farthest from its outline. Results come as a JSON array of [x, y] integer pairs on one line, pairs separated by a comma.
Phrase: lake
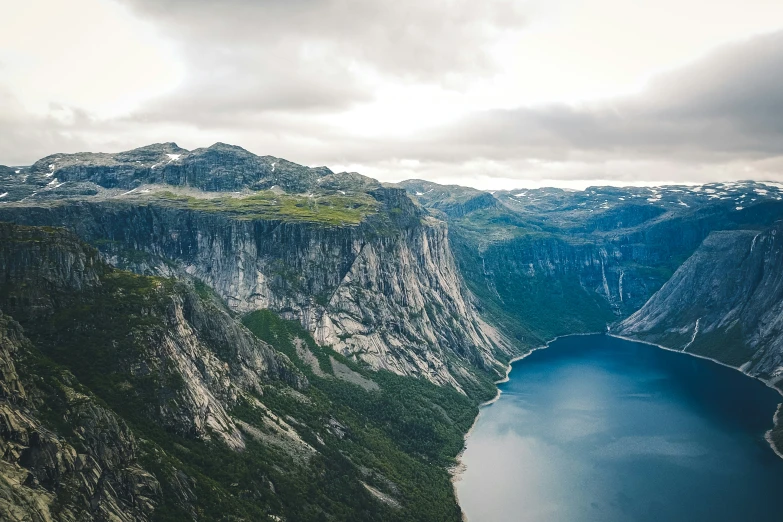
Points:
[[596, 428]]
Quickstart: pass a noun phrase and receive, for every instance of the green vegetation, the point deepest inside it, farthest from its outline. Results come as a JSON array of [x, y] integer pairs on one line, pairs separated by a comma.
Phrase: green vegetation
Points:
[[327, 209], [727, 346], [399, 439], [406, 434], [530, 310]]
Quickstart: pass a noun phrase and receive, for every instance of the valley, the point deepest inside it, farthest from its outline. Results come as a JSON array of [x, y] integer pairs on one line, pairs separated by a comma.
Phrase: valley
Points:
[[216, 335]]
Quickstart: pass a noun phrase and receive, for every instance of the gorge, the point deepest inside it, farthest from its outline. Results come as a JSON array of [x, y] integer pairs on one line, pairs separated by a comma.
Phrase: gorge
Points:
[[212, 334]]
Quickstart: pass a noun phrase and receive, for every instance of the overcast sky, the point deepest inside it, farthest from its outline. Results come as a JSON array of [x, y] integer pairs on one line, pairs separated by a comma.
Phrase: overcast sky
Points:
[[492, 94]]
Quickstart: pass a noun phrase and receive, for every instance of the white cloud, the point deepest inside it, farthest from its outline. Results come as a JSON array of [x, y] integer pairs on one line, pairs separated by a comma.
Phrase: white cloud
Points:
[[87, 54], [493, 93]]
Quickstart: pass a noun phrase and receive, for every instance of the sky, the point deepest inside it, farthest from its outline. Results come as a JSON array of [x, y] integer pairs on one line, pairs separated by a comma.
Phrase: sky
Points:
[[491, 94]]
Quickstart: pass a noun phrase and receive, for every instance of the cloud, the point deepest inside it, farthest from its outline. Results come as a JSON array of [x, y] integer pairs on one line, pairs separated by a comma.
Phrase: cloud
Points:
[[318, 56], [312, 81], [716, 119], [25, 134], [725, 106], [405, 38]]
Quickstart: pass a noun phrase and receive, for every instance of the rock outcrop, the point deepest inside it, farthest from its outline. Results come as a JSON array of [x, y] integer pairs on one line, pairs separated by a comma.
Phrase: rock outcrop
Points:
[[384, 290], [89, 470], [198, 360], [724, 302]]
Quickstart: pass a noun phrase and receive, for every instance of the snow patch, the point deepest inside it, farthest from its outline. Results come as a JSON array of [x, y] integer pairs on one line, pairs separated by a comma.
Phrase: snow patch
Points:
[[173, 157]]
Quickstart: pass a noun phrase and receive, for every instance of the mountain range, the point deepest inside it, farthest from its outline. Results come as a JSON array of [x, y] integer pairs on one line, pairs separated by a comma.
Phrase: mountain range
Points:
[[216, 335]]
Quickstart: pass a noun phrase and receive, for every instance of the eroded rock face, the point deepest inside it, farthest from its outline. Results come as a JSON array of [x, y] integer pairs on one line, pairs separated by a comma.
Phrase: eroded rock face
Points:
[[725, 302], [386, 291], [401, 307], [102, 480], [198, 360]]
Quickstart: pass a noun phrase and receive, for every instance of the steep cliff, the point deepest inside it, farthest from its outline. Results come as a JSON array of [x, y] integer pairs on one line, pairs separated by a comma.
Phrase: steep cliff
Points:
[[360, 266], [549, 262], [192, 353], [724, 302], [128, 397], [90, 469]]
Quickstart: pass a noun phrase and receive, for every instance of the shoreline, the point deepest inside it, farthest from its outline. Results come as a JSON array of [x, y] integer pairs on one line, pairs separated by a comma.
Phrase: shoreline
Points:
[[458, 469], [775, 419], [768, 434]]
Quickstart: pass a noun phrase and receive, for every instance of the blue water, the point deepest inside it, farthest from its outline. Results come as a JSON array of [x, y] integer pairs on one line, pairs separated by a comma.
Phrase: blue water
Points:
[[600, 429]]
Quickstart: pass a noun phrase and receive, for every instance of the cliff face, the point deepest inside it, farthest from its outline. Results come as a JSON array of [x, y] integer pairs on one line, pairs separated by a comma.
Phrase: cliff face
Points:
[[91, 467], [96, 468], [385, 291], [126, 397], [724, 302], [195, 357], [550, 262]]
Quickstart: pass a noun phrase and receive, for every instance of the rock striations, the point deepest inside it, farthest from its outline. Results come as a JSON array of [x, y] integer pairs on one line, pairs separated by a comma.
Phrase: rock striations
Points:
[[383, 289], [215, 335], [724, 302]]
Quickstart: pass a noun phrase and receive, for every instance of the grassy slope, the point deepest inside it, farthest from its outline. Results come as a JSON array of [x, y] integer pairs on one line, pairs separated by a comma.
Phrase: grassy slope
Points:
[[328, 209]]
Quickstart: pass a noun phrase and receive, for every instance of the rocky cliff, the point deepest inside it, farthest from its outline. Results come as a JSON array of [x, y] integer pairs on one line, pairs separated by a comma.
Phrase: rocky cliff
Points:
[[92, 473], [129, 397], [724, 302], [360, 266], [549, 262]]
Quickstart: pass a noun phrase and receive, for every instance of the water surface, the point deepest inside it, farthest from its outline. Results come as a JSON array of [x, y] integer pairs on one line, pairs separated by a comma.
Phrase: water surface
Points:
[[600, 429]]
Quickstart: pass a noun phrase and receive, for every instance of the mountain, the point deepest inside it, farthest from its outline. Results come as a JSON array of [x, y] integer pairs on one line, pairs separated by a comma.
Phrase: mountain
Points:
[[129, 397], [215, 335], [257, 343], [548, 262], [359, 265], [218, 168], [724, 302]]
